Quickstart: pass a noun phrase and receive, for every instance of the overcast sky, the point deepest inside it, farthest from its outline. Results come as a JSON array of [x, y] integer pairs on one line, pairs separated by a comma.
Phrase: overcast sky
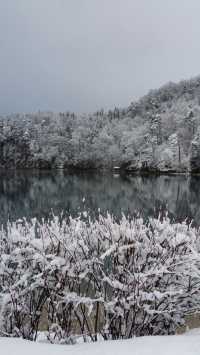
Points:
[[81, 55]]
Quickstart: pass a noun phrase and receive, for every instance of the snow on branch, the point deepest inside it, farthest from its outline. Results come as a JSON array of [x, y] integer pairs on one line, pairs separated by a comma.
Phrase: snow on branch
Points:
[[97, 278]]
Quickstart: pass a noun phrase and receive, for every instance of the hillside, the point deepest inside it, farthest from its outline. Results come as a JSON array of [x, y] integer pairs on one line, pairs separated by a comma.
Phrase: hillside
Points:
[[160, 133]]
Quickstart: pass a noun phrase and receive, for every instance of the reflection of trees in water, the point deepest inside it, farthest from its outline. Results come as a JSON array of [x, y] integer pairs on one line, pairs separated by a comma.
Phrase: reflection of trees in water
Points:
[[36, 193], [194, 189]]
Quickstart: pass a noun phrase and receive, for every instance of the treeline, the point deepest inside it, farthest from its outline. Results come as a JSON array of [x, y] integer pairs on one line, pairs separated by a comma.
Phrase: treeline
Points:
[[160, 132]]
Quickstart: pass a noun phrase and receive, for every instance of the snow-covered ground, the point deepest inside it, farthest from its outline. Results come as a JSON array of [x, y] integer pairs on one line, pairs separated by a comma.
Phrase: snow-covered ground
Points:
[[188, 344]]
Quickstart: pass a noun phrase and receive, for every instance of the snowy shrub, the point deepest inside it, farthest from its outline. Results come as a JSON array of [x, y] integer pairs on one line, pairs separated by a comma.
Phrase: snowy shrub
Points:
[[97, 278]]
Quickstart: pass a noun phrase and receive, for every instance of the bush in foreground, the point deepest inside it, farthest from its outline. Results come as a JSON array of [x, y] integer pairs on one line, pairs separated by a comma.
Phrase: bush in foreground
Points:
[[97, 278]]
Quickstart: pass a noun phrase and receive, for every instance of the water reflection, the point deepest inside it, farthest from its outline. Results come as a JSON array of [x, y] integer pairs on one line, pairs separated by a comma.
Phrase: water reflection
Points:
[[36, 193]]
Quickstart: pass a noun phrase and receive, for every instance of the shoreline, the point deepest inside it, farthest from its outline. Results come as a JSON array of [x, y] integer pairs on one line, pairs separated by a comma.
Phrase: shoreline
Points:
[[120, 171]]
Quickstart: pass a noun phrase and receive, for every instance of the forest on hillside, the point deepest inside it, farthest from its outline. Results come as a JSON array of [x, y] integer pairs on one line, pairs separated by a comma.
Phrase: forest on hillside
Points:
[[160, 132]]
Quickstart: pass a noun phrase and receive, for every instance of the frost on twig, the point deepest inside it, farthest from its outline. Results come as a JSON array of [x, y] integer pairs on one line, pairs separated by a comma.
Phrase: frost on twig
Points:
[[98, 278]]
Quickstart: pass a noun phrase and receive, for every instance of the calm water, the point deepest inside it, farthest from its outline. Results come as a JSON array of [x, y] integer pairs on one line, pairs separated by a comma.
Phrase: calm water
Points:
[[35, 194]]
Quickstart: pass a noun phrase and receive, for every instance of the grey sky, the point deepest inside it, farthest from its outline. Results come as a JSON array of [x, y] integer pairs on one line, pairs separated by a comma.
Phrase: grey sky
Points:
[[82, 55]]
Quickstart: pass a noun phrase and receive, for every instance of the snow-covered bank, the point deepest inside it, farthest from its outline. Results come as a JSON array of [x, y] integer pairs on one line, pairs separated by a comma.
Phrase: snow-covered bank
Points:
[[160, 345]]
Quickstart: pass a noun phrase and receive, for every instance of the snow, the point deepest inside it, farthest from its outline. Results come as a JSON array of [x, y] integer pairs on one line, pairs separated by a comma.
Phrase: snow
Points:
[[187, 344], [41, 263]]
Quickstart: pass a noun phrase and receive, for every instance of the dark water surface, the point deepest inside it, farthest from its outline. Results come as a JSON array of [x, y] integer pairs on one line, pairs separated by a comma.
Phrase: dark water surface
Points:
[[36, 193]]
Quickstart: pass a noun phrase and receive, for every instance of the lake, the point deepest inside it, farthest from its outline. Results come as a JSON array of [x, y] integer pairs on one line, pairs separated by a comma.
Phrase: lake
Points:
[[37, 193]]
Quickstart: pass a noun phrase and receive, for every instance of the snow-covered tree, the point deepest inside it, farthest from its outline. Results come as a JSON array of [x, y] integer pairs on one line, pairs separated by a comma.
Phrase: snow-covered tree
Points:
[[97, 278]]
